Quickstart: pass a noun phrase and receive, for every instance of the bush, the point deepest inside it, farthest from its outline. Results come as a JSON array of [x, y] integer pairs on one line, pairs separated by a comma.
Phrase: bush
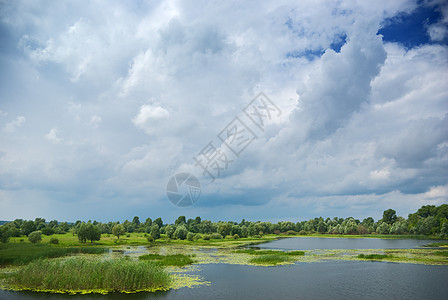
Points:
[[190, 236], [181, 232], [128, 235], [216, 236], [88, 231], [54, 240], [149, 238], [236, 236], [47, 231], [35, 237], [197, 236], [206, 237], [302, 232]]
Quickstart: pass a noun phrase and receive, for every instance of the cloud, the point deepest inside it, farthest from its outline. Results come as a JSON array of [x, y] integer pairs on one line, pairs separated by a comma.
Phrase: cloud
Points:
[[15, 124], [150, 117], [131, 92], [52, 136]]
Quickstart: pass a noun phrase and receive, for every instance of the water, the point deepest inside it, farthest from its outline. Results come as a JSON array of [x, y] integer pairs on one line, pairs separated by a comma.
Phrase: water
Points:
[[310, 243], [324, 280]]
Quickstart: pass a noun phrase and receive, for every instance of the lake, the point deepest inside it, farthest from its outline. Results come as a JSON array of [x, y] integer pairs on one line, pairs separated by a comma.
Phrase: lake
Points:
[[332, 279]]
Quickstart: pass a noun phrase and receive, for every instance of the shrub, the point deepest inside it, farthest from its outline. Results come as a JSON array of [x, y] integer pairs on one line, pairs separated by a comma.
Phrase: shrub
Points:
[[128, 235], [206, 237], [302, 232], [216, 236], [190, 236], [54, 240], [149, 238], [197, 236], [35, 237], [47, 231], [181, 232], [236, 236]]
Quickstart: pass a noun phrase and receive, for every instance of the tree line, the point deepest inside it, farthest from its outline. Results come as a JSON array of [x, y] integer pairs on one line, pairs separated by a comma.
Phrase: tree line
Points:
[[428, 220]]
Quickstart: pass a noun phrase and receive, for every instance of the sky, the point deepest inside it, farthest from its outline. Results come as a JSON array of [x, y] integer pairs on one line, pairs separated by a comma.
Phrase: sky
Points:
[[282, 110]]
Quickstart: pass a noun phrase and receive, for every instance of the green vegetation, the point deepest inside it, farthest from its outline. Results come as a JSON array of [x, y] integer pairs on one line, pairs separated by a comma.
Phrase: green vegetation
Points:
[[118, 230], [178, 260], [374, 256], [266, 252], [22, 253], [270, 259], [429, 222], [80, 275], [35, 237], [436, 245], [441, 253]]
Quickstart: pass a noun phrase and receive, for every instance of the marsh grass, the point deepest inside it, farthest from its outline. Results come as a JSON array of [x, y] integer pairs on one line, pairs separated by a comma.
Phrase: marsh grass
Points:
[[374, 256], [436, 245], [18, 254], [270, 259], [441, 253], [266, 252], [81, 275], [178, 260]]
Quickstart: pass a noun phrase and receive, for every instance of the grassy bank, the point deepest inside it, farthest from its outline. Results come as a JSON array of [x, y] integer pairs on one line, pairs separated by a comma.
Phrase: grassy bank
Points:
[[81, 275], [22, 253]]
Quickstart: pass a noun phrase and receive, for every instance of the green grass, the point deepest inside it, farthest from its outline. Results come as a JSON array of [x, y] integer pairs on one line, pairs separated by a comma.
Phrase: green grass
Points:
[[81, 275], [270, 259], [266, 252], [436, 245], [374, 256], [441, 253], [178, 260], [22, 253]]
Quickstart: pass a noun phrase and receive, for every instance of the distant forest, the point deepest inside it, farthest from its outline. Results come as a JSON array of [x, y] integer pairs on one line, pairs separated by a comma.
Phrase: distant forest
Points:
[[428, 220]]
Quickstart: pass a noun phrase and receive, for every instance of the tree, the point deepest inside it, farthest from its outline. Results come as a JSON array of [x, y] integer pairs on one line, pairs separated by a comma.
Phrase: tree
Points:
[[169, 231], [118, 230], [181, 232], [155, 231], [444, 230], [180, 220], [35, 237], [136, 222], [4, 234], [159, 222], [28, 227], [389, 216], [47, 230], [383, 228], [148, 222], [224, 228], [88, 231]]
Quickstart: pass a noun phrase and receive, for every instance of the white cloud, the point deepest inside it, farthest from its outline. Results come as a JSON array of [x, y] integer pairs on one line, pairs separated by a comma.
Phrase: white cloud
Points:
[[150, 117], [15, 124], [364, 124], [95, 121], [52, 136]]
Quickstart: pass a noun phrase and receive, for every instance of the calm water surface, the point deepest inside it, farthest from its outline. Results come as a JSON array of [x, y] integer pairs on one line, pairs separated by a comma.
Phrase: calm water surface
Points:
[[324, 280]]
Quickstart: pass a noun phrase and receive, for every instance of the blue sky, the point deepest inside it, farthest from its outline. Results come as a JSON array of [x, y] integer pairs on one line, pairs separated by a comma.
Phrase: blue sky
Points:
[[102, 102]]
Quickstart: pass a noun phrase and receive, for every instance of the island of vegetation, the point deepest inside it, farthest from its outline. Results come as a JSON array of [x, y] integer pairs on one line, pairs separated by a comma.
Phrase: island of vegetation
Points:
[[89, 257]]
